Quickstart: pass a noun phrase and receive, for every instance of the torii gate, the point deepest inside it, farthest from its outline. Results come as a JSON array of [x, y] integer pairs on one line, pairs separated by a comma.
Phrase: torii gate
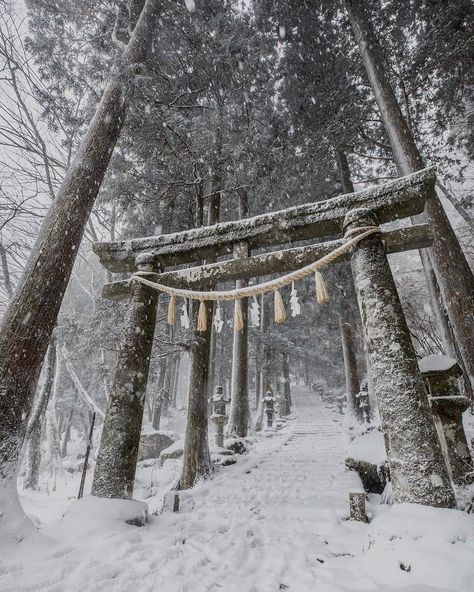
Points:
[[418, 469]]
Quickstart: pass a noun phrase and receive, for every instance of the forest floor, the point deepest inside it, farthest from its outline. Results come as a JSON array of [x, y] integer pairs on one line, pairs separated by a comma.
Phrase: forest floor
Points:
[[276, 520]]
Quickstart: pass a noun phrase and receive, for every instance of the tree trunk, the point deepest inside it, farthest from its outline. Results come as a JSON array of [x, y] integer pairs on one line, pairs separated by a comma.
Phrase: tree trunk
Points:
[[174, 381], [455, 278], [286, 390], [266, 381], [196, 456], [347, 340], [67, 429], [31, 315], [52, 438], [35, 423], [239, 405], [461, 210], [350, 368], [258, 371], [403, 402], [6, 272], [116, 463], [167, 385]]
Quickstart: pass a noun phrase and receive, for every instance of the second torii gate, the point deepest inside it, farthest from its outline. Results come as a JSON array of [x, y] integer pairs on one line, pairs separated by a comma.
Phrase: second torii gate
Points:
[[418, 469]]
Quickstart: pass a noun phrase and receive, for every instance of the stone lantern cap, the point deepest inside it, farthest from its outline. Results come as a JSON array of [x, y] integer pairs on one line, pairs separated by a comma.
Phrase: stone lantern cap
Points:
[[219, 395], [437, 365]]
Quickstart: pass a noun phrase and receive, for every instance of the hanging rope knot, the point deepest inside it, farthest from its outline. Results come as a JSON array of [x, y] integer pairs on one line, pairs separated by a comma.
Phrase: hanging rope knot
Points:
[[355, 235]]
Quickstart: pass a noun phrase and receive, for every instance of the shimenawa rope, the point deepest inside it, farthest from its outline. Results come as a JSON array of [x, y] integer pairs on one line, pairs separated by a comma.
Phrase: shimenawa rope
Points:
[[274, 285]]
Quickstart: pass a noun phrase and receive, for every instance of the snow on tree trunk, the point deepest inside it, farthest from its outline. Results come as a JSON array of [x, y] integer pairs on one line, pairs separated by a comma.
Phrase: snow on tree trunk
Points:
[[54, 447], [417, 466], [31, 315], [114, 474], [350, 369], [196, 456], [6, 272], [454, 276], [35, 423], [67, 428], [174, 380]]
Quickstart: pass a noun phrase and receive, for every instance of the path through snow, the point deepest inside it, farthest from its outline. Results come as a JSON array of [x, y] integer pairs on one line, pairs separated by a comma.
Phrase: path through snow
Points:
[[274, 521]]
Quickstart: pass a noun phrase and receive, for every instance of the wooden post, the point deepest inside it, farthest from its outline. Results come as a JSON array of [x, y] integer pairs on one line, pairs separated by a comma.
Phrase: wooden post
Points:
[[417, 466], [239, 405], [86, 459], [115, 470]]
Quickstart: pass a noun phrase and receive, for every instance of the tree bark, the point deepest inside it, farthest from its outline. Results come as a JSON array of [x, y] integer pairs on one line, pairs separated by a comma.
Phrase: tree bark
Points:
[[347, 340], [417, 466], [35, 423], [266, 381], [116, 463], [455, 278], [350, 368], [196, 456], [67, 428], [6, 272], [239, 405], [31, 315]]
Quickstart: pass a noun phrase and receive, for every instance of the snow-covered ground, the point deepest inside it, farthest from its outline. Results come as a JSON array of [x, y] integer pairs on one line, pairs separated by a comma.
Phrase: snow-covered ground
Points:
[[276, 520]]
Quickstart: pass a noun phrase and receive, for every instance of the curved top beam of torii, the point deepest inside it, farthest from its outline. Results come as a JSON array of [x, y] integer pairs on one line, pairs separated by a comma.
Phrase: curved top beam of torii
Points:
[[397, 199]]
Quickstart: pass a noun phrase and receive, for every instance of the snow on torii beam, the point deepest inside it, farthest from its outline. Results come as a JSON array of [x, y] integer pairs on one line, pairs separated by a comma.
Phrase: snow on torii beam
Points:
[[398, 199], [396, 241]]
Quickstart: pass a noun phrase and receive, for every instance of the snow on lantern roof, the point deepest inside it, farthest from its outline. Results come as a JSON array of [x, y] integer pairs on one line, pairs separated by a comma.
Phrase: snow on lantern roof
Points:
[[434, 364]]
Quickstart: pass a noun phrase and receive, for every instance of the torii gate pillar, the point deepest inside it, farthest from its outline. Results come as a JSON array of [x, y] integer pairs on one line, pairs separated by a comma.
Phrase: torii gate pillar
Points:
[[417, 467]]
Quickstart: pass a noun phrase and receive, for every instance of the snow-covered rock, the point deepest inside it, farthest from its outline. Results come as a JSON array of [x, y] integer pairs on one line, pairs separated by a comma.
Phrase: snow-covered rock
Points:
[[152, 443], [172, 452]]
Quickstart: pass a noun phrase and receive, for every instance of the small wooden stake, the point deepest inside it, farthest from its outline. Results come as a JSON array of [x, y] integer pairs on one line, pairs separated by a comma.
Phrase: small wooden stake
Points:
[[176, 503], [86, 459]]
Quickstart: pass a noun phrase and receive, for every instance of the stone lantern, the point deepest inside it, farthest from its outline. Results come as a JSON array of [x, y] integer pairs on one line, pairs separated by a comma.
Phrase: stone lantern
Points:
[[441, 375], [269, 407], [363, 403], [219, 414]]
